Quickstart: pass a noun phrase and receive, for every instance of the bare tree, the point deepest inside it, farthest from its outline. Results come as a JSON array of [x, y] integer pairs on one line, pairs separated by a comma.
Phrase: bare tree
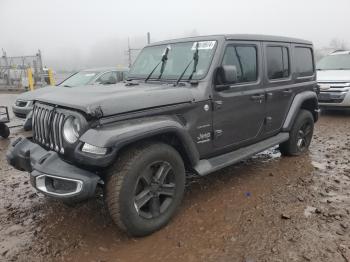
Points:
[[338, 44], [189, 33]]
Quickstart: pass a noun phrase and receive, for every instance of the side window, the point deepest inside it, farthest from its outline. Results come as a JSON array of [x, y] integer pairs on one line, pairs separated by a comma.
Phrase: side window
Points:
[[107, 79], [277, 62], [245, 60], [304, 61]]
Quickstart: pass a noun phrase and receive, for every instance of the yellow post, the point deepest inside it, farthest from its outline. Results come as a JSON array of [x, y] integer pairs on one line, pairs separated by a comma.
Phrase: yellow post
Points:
[[51, 80], [30, 79]]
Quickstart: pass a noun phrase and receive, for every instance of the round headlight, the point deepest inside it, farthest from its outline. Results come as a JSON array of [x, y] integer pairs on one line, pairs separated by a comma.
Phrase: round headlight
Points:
[[71, 130]]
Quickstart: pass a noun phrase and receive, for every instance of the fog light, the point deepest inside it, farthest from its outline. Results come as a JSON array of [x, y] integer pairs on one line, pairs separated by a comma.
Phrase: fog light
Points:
[[58, 186], [94, 149]]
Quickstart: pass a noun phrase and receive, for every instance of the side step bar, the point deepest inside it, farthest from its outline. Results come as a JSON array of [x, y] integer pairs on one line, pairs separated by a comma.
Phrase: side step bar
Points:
[[207, 166]]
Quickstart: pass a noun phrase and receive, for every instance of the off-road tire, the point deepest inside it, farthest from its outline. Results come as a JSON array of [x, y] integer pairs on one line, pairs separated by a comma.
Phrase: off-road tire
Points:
[[121, 181], [4, 130], [290, 147]]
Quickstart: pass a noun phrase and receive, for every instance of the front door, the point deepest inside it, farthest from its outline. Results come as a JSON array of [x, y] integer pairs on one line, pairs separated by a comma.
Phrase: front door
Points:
[[239, 110]]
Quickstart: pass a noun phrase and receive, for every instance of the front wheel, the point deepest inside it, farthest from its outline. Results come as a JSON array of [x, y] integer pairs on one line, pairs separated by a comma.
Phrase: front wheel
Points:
[[300, 135], [144, 188]]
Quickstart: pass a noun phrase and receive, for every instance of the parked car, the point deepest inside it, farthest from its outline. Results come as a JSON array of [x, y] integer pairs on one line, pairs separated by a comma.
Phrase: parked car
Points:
[[189, 106], [333, 76], [97, 76]]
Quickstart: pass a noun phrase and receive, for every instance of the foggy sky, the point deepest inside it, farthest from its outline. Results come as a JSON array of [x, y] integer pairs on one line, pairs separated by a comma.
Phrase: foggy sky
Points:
[[75, 34]]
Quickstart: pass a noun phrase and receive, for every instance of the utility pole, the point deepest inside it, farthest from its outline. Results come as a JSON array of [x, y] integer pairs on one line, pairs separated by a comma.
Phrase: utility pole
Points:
[[129, 53], [148, 38], [7, 68], [136, 49], [41, 67]]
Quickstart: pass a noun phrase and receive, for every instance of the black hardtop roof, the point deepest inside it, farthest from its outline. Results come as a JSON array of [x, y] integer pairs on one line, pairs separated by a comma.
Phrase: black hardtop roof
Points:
[[242, 37]]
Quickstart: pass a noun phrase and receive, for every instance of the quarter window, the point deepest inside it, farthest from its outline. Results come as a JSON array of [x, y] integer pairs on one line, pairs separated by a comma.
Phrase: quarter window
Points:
[[277, 62], [245, 60], [304, 61]]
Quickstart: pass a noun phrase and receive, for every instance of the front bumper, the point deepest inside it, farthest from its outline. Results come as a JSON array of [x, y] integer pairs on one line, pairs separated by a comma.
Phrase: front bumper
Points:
[[334, 99], [21, 112], [49, 174]]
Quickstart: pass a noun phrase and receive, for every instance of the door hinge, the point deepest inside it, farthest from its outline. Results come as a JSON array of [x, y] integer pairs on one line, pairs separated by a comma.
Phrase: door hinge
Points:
[[268, 120], [269, 95], [217, 133], [217, 104]]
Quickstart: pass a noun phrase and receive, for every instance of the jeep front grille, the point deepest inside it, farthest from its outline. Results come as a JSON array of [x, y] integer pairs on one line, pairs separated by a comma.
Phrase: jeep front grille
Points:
[[47, 127]]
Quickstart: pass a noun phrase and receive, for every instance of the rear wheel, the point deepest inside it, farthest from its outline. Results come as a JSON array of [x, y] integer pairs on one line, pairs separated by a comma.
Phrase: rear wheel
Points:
[[4, 130], [145, 187], [300, 135]]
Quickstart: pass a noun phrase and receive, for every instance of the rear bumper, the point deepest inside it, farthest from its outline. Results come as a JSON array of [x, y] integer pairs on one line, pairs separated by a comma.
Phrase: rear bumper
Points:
[[49, 174]]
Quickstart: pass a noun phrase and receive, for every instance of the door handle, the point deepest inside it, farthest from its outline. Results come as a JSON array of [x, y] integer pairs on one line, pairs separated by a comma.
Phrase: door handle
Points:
[[287, 92], [259, 97]]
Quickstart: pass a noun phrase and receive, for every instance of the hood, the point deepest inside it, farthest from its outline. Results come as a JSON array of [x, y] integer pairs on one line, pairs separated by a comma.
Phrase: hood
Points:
[[33, 95], [333, 76], [118, 98]]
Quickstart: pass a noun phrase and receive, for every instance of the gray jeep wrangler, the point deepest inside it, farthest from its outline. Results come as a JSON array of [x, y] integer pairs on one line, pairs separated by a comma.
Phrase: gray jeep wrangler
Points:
[[189, 106]]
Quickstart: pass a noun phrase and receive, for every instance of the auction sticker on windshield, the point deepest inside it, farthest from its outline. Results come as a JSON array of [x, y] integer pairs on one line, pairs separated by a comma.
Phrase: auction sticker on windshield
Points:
[[204, 45]]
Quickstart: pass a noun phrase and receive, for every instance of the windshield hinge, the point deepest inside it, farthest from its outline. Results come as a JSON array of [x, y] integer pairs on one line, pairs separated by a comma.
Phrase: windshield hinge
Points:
[[217, 133], [97, 112]]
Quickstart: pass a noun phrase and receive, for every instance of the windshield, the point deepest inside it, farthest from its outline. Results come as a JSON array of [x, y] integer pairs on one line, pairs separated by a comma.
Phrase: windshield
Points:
[[334, 62], [79, 79], [178, 57]]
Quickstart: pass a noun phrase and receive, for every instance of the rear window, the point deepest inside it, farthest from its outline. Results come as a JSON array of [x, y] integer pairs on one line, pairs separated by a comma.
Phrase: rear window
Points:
[[304, 61], [277, 62]]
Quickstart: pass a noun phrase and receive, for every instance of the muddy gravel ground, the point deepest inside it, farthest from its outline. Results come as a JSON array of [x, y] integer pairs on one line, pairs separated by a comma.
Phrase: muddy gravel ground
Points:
[[268, 208]]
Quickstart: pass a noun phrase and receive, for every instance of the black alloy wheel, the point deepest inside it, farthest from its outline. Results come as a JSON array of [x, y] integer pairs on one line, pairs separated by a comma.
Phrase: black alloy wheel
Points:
[[155, 190]]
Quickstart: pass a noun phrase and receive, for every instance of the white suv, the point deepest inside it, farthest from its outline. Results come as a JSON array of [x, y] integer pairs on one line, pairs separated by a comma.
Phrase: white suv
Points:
[[333, 76]]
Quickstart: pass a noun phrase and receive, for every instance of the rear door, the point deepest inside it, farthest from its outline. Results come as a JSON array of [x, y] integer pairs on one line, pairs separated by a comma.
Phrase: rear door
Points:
[[278, 85], [238, 115]]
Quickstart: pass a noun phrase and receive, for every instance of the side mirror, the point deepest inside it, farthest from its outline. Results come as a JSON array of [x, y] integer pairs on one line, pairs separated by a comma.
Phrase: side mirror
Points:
[[228, 74], [225, 76]]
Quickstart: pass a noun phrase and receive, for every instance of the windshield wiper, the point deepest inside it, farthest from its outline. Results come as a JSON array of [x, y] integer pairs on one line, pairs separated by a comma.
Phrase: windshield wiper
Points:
[[163, 62], [195, 60], [66, 86]]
